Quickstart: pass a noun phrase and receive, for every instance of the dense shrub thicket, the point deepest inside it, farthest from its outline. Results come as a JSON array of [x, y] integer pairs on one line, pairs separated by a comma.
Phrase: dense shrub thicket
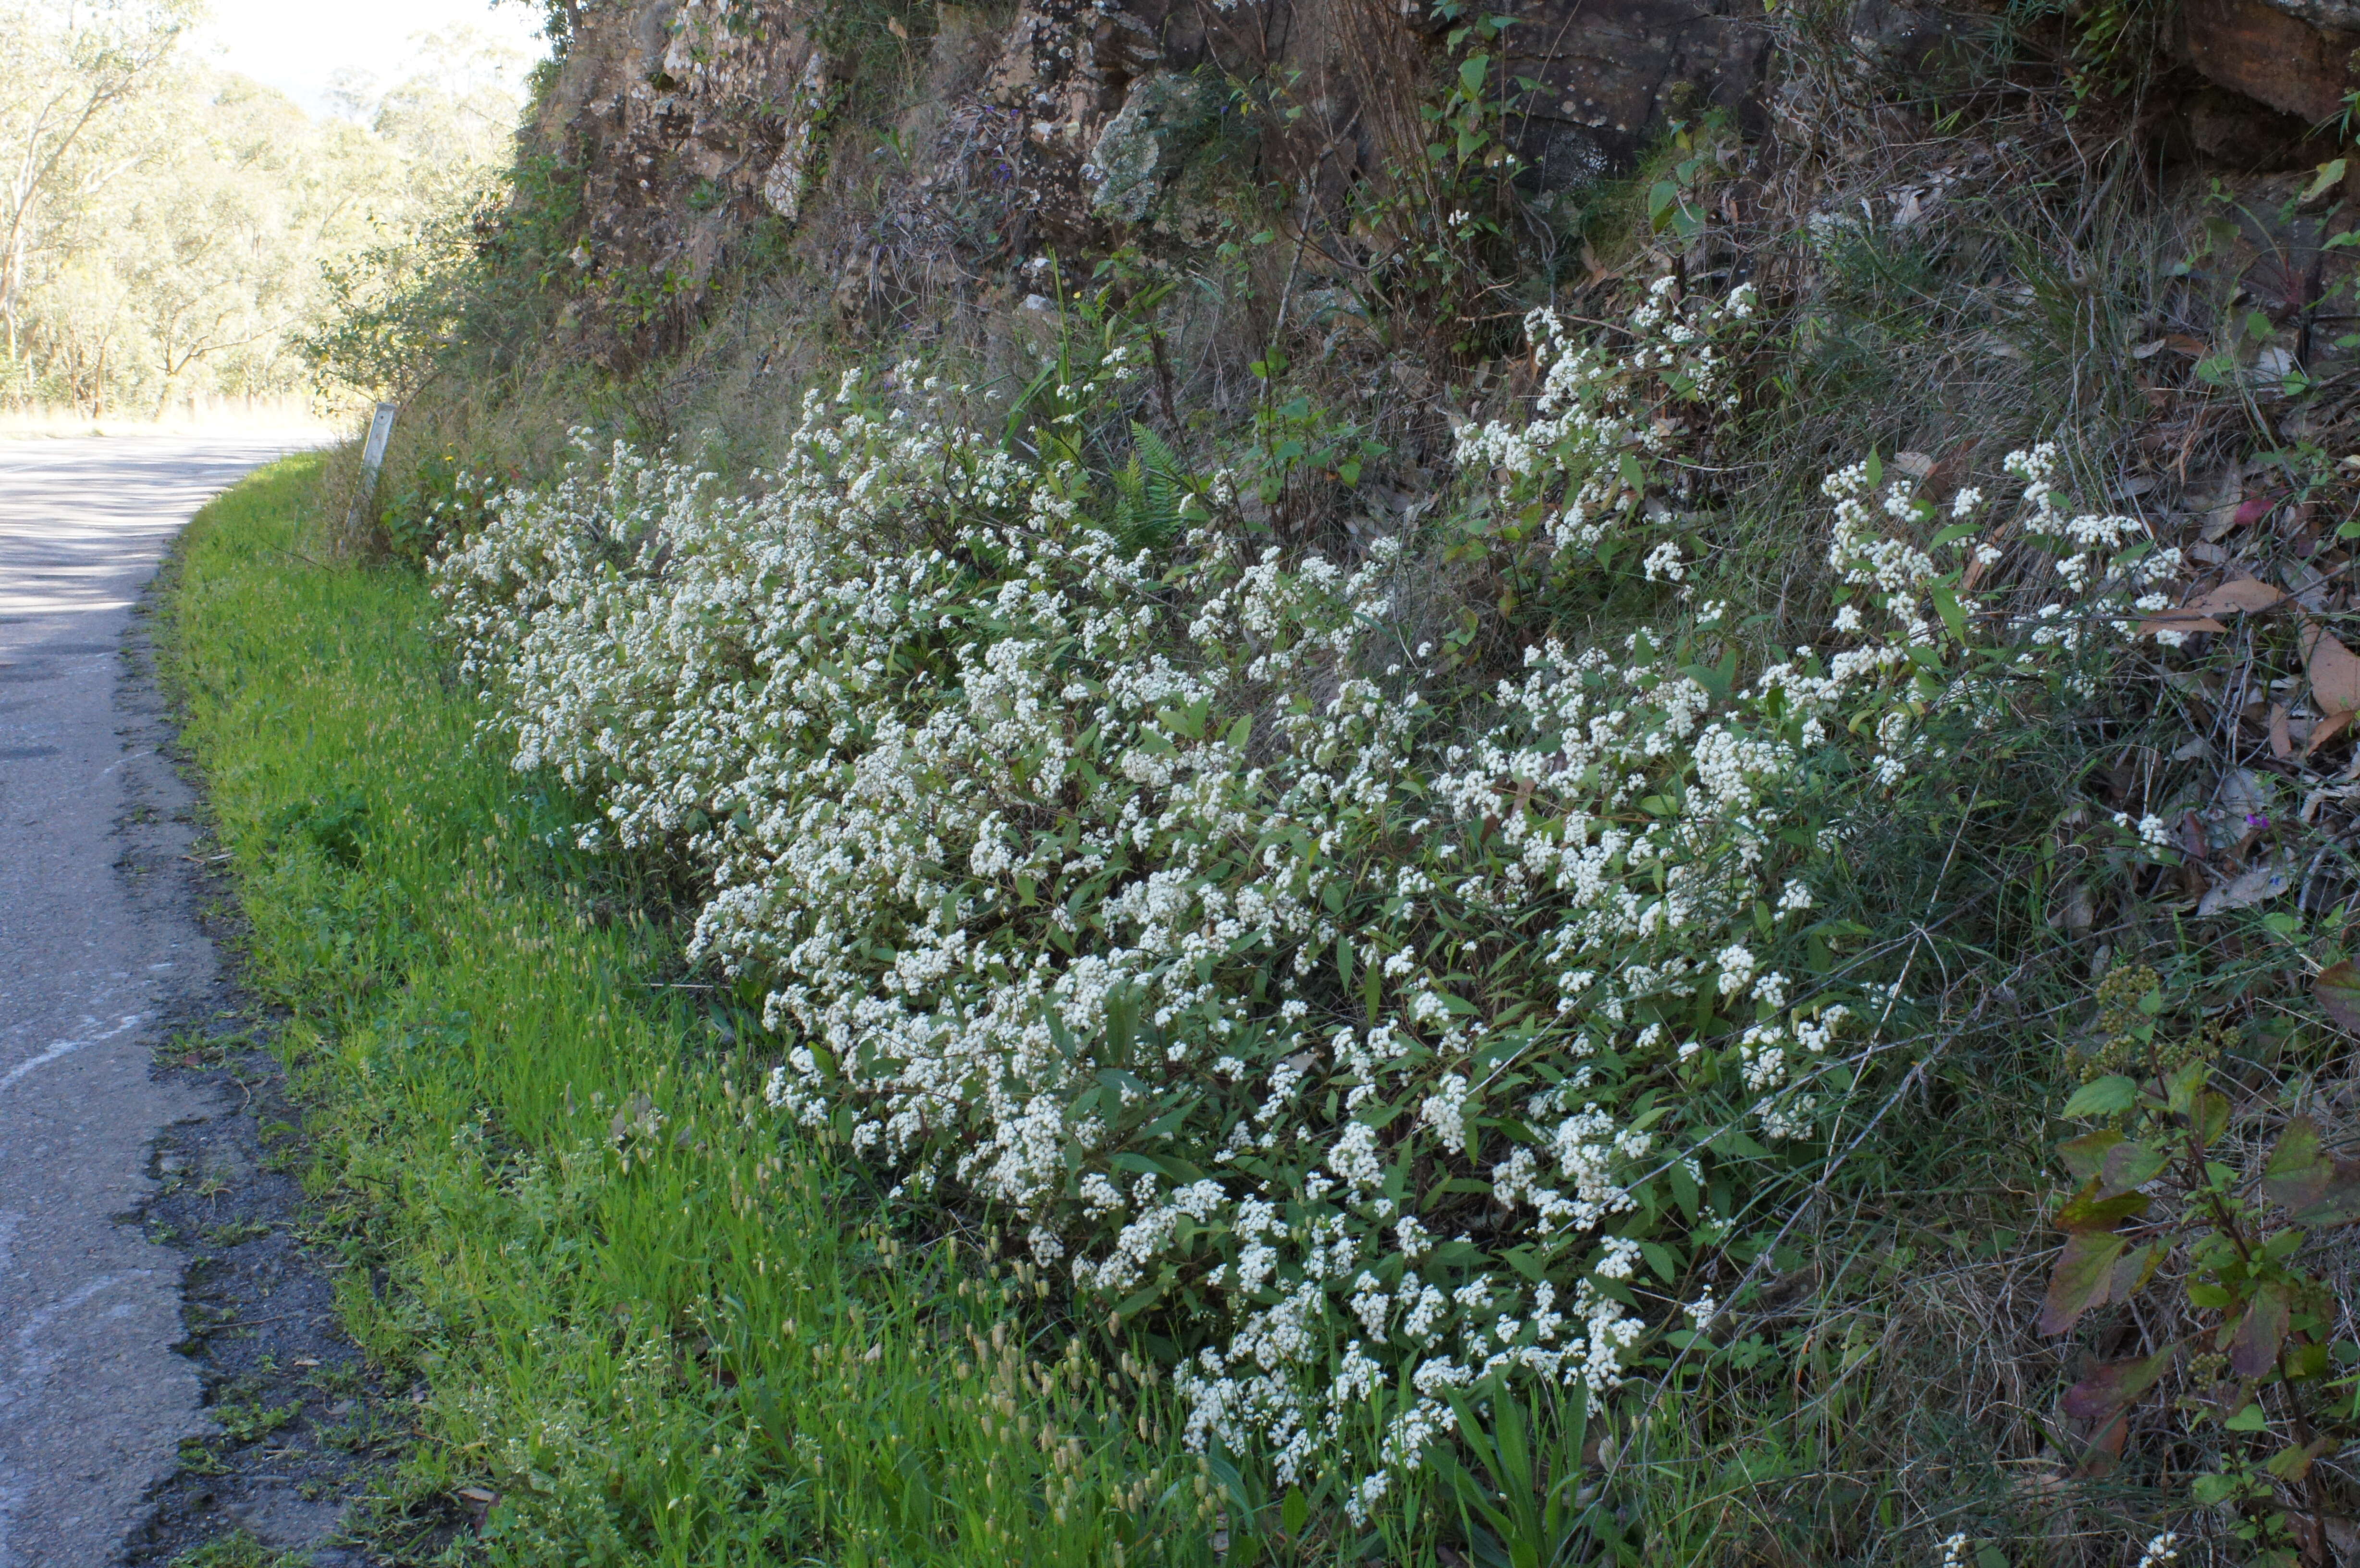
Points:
[[1103, 865]]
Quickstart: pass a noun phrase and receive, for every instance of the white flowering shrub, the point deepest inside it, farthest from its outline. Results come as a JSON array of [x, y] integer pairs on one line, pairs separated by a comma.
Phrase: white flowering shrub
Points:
[[1375, 1048], [1578, 474]]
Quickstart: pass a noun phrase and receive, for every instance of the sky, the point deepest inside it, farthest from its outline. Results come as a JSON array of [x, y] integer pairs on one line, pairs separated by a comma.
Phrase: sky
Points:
[[296, 46]]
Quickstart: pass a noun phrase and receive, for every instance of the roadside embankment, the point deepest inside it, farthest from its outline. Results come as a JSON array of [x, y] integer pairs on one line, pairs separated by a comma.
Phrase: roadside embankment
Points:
[[639, 1326]]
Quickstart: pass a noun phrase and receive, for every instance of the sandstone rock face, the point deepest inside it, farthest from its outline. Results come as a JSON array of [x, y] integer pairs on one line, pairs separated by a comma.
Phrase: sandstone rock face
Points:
[[686, 120], [1612, 71], [691, 120], [1098, 85], [2297, 56]]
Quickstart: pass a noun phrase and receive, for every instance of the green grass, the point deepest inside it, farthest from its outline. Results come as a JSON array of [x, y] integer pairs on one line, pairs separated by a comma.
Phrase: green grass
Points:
[[659, 1327]]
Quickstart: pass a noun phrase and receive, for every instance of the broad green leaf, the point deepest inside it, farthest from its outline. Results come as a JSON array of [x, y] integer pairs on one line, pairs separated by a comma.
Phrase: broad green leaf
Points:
[[2085, 1156], [2130, 1165], [2339, 1204], [1946, 605], [2102, 1098], [2133, 1269], [2299, 1171], [2293, 1462], [2180, 1091], [2208, 1117], [2090, 1209], [2250, 1418]]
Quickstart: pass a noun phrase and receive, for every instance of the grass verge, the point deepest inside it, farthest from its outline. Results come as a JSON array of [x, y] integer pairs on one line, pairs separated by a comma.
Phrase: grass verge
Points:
[[638, 1327]]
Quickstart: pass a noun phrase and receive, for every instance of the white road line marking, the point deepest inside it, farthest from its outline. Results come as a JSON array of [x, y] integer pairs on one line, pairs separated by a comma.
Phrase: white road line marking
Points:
[[66, 1048]]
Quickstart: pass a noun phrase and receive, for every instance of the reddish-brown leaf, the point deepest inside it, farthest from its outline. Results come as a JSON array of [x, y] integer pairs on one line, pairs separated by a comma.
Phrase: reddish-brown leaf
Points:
[[2325, 730], [2248, 593], [2081, 1279], [2333, 669], [2337, 986], [2254, 1348], [2180, 621], [2116, 1385], [2101, 1453], [2254, 511]]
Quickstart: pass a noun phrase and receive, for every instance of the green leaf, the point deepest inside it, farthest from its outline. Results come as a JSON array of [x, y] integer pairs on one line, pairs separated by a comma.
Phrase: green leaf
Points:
[[2102, 1098], [2092, 1208], [2299, 1171], [1875, 466], [2083, 1273], [2085, 1156], [2337, 986], [2250, 1418], [2293, 1462], [2135, 1268], [2130, 1165], [2208, 1117], [1471, 74], [1295, 1512], [2339, 1204], [2180, 1091], [1946, 605]]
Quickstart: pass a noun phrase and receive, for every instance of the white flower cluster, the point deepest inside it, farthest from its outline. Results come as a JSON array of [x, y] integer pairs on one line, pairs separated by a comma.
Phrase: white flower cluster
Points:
[[1144, 898], [1603, 415]]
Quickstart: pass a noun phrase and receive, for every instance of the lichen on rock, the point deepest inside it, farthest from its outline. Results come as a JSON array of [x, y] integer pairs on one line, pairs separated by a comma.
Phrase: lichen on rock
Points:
[[1143, 144]]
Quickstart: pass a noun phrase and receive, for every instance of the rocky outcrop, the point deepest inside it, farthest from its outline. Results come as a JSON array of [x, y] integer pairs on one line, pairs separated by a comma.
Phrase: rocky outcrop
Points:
[[687, 122], [691, 122], [1081, 125], [2295, 56]]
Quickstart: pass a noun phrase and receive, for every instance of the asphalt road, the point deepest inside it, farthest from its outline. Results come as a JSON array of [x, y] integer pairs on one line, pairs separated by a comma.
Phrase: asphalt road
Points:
[[94, 969]]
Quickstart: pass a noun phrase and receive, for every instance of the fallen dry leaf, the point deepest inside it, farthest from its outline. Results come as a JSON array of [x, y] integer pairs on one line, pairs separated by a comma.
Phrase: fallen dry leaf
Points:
[[2263, 882], [2334, 673], [2326, 730], [2248, 593], [2182, 621], [2281, 742]]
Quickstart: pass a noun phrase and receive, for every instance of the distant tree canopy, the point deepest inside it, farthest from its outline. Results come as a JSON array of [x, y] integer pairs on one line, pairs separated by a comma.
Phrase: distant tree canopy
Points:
[[168, 230]]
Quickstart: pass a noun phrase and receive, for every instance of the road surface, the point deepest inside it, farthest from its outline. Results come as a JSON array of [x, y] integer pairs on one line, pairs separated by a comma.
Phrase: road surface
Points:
[[96, 962]]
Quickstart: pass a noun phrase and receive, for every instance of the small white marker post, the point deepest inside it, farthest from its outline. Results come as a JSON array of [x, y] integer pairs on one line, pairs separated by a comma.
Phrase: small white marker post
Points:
[[372, 460]]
